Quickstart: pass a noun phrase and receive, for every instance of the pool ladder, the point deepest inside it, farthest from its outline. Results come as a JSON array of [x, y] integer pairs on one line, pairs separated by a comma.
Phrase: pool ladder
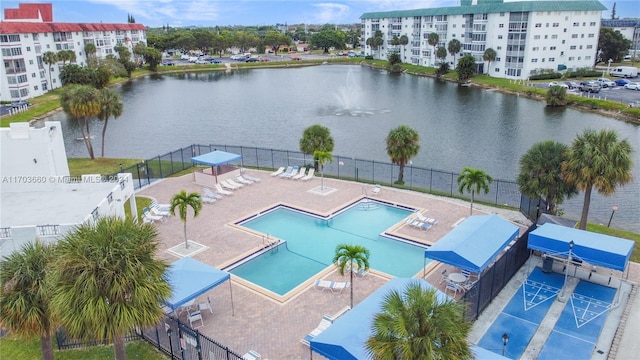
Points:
[[269, 244]]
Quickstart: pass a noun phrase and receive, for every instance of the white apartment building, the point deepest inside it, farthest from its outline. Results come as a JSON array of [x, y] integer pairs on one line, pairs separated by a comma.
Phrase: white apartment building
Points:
[[630, 29], [39, 200], [28, 32], [527, 36]]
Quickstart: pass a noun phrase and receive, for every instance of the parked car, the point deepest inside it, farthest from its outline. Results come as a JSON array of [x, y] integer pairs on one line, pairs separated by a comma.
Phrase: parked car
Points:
[[296, 58], [555, 83], [201, 61], [184, 57], [606, 83], [621, 82], [20, 103], [632, 86], [214, 61], [571, 84], [264, 59], [168, 63], [251, 60], [590, 86]]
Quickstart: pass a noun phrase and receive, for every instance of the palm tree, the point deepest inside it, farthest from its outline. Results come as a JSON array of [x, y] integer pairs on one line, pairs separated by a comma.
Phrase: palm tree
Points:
[[403, 143], [473, 180], [351, 258], [541, 174], [50, 58], [416, 324], [322, 157], [454, 47], [314, 138], [489, 55], [25, 294], [433, 41], [597, 158], [107, 280], [110, 105], [404, 40], [82, 102], [90, 50], [556, 96], [183, 201]]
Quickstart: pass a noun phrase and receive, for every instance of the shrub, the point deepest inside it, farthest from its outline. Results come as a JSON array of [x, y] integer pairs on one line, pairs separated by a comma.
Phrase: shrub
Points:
[[545, 76]]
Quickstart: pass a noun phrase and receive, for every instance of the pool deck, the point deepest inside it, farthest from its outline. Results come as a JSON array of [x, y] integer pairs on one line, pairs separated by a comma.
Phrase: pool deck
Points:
[[273, 328]]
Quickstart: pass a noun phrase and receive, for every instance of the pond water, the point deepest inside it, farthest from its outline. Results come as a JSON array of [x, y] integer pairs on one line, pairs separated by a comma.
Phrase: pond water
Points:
[[270, 108]]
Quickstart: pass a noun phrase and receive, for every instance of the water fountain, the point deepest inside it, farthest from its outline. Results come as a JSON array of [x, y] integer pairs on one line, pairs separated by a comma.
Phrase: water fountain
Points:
[[349, 98]]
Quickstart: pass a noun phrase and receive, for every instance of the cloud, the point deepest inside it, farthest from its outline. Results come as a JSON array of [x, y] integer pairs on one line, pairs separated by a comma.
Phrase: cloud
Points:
[[172, 11], [330, 13]]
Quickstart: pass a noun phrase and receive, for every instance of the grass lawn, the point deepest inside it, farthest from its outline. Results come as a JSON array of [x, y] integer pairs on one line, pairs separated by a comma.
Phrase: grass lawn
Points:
[[12, 347], [83, 166], [601, 229]]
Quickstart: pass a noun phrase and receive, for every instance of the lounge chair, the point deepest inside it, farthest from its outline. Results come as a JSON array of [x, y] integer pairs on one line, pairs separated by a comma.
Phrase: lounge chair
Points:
[[414, 223], [324, 325], [208, 193], [376, 189], [360, 273], [285, 172], [309, 175], [425, 226], [155, 211], [251, 178], [206, 305], [195, 316], [244, 181], [149, 215], [222, 191], [443, 276], [453, 287], [278, 172], [292, 173], [161, 207], [300, 175], [337, 287], [230, 181], [207, 200], [323, 285], [251, 355], [225, 184]]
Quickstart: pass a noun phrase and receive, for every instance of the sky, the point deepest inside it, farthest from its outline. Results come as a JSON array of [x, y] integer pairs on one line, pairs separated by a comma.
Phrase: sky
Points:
[[179, 13]]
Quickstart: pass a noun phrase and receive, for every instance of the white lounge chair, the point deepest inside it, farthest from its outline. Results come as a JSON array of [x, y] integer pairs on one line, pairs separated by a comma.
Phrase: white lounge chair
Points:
[[194, 317], [250, 355], [278, 172], [208, 193], [286, 172], [147, 213], [292, 173], [309, 175], [225, 184], [244, 181], [230, 181], [300, 175], [324, 325], [161, 207], [206, 305], [376, 189], [156, 211], [251, 178], [323, 285], [337, 287], [207, 200], [222, 191]]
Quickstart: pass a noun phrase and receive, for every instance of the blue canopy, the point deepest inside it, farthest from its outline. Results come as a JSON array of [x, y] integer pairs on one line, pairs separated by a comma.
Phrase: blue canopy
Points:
[[191, 278], [597, 249], [216, 158], [345, 338], [474, 243]]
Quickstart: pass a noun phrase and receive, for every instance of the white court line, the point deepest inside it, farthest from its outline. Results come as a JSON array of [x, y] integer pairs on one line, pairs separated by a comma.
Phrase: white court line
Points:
[[573, 336], [589, 301], [519, 318], [539, 287]]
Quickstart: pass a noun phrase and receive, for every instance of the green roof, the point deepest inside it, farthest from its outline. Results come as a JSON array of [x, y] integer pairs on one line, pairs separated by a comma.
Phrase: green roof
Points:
[[493, 7]]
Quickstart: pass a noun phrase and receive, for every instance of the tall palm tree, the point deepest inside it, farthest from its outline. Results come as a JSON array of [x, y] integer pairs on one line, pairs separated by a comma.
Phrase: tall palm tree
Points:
[[473, 180], [404, 40], [82, 102], [541, 174], [50, 58], [322, 158], [351, 258], [454, 47], [316, 137], [183, 201], [433, 40], [489, 55], [107, 280], [416, 324], [597, 158], [25, 294], [110, 105], [403, 143]]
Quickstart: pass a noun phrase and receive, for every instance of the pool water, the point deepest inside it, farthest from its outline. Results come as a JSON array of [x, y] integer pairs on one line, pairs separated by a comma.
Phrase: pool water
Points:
[[310, 244]]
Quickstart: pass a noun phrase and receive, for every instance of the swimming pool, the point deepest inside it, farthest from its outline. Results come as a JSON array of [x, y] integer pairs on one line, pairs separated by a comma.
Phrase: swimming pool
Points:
[[310, 242]]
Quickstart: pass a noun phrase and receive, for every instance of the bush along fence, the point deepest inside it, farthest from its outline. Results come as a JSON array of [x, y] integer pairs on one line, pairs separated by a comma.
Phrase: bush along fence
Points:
[[437, 182], [170, 336]]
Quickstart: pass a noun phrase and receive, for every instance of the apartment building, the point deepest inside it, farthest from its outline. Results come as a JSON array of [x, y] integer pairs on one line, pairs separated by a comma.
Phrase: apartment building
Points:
[[630, 29], [28, 32], [528, 36]]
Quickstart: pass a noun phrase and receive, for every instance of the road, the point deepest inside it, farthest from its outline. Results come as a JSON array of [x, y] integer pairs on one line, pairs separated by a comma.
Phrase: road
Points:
[[618, 93]]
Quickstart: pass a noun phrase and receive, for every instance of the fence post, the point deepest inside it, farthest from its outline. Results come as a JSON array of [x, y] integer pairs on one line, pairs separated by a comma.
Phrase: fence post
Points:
[[497, 185], [257, 160], [452, 184]]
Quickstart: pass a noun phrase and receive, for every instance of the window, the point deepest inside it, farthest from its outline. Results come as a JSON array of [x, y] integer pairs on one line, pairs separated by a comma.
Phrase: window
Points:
[[556, 24], [501, 26], [536, 37], [535, 48], [534, 60], [576, 24], [572, 47], [12, 51], [35, 88], [12, 80], [14, 93], [24, 92], [593, 23], [591, 35], [499, 48], [22, 78], [538, 25], [496, 69], [499, 37], [552, 48], [30, 62], [497, 59], [565, 30], [546, 36], [589, 46], [574, 36], [542, 59], [587, 57], [28, 48], [571, 58], [561, 53], [552, 59], [554, 36], [38, 49], [33, 75], [35, 37]]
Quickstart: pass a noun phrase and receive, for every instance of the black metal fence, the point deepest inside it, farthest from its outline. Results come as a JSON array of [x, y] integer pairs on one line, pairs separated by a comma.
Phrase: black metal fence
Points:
[[501, 192], [170, 336], [181, 342], [493, 280]]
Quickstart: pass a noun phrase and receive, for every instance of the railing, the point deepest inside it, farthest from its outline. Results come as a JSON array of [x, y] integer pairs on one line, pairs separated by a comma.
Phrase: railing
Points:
[[444, 183]]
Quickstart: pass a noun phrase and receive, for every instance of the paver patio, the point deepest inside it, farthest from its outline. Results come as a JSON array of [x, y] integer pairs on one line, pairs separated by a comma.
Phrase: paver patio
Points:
[[260, 323]]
